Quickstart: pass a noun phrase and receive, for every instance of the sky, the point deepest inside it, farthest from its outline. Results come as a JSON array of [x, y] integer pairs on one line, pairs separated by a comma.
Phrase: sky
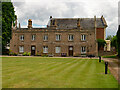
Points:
[[40, 11]]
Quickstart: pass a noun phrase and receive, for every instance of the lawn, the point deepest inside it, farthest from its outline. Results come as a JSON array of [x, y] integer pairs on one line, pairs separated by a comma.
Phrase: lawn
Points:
[[43, 72]]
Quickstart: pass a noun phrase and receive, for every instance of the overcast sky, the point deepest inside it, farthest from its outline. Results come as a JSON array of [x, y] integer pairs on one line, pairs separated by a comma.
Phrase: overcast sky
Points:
[[40, 11]]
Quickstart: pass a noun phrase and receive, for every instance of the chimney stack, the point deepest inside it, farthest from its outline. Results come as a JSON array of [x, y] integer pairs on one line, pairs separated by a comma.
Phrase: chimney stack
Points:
[[19, 25], [50, 17], [16, 23], [12, 24], [78, 22], [29, 23]]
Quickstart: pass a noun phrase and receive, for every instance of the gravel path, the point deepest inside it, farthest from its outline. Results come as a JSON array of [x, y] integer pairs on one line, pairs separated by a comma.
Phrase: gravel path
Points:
[[114, 66]]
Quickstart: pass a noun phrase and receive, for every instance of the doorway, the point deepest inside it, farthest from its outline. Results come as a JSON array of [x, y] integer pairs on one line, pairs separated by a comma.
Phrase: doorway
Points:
[[70, 50], [32, 50]]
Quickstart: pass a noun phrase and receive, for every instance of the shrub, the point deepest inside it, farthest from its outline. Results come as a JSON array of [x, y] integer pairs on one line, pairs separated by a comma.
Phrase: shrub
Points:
[[29, 54], [44, 55], [26, 54]]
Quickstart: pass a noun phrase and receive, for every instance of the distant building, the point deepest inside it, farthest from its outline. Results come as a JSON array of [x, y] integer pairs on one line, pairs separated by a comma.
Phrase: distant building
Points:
[[62, 36], [107, 46]]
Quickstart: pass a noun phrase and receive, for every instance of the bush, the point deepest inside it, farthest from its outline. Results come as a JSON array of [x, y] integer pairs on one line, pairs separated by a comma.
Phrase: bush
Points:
[[101, 43], [26, 54], [12, 54], [44, 55]]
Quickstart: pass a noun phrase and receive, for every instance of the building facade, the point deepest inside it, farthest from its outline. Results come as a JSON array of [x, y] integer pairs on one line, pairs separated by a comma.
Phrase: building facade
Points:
[[62, 36]]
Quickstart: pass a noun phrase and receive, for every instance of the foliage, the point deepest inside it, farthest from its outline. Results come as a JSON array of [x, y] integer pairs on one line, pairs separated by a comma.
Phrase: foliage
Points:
[[111, 56], [118, 41], [44, 55], [26, 54], [101, 43], [109, 37], [8, 16], [12, 54], [114, 42]]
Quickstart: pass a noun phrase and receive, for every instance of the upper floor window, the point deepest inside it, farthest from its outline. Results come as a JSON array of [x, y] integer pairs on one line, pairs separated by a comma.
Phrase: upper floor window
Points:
[[83, 37], [57, 49], [21, 49], [45, 37], [70, 37], [33, 37], [58, 37], [83, 49], [22, 37], [45, 49]]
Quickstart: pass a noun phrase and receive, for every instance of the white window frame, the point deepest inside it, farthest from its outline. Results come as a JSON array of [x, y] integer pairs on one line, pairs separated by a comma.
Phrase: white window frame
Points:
[[45, 37], [21, 49], [83, 49], [83, 37], [45, 49], [70, 37], [22, 37], [58, 37], [33, 37], [57, 49]]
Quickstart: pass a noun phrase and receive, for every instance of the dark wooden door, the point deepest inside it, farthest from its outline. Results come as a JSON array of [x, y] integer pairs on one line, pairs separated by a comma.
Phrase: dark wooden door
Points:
[[70, 50], [32, 50]]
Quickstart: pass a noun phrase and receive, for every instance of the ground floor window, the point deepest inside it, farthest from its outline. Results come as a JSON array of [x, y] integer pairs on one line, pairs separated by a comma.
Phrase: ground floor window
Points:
[[45, 49], [21, 49], [83, 49], [57, 49]]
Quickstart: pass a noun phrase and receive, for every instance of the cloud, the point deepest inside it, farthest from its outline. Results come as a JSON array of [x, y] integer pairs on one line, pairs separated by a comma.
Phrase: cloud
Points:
[[39, 11]]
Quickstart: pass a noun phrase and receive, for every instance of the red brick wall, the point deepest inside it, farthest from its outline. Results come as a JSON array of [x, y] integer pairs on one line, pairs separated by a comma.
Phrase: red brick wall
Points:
[[100, 33]]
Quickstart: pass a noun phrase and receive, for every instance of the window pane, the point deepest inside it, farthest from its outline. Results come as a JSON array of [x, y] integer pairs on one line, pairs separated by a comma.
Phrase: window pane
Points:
[[21, 49], [45, 49], [45, 37], [58, 37], [57, 49]]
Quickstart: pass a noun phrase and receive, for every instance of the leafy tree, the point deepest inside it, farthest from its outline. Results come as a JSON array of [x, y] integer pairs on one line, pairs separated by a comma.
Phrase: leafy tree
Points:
[[101, 43], [109, 37], [114, 42], [8, 16], [118, 40]]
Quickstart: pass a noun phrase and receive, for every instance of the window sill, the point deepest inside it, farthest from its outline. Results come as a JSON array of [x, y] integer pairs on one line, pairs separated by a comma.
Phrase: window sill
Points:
[[58, 40], [70, 40], [45, 40], [83, 40]]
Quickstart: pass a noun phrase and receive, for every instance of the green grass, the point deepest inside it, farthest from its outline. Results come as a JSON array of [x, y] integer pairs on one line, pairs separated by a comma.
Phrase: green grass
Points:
[[110, 56], [36, 72]]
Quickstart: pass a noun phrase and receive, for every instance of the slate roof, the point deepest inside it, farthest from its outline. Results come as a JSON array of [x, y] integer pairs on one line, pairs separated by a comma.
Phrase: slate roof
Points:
[[71, 23]]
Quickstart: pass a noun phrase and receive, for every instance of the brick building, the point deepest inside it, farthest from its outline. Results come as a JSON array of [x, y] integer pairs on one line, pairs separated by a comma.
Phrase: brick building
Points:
[[70, 36]]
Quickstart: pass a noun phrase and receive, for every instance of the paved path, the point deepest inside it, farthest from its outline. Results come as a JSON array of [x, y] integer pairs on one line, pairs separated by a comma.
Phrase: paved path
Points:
[[114, 66]]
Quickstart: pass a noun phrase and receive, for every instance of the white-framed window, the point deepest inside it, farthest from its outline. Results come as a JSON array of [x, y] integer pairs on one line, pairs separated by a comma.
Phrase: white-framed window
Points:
[[33, 37], [70, 37], [45, 38], [21, 49], [57, 49], [83, 49], [45, 49], [58, 37], [83, 37], [21, 37]]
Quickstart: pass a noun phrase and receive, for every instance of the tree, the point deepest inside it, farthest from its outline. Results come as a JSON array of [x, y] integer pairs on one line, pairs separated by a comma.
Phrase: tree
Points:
[[8, 16], [101, 43], [118, 40], [109, 37], [114, 42]]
